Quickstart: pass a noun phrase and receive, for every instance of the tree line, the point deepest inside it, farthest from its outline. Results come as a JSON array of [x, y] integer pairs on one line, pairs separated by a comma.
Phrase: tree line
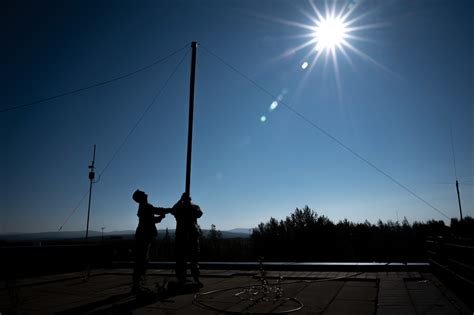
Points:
[[304, 235]]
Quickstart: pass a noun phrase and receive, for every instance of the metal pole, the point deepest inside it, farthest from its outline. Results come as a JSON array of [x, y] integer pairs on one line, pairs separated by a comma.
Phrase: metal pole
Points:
[[191, 113], [459, 199], [91, 178], [455, 171]]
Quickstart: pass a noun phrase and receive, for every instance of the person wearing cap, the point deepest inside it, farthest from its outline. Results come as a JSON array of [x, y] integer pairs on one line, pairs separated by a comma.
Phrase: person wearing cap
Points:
[[187, 235], [148, 216]]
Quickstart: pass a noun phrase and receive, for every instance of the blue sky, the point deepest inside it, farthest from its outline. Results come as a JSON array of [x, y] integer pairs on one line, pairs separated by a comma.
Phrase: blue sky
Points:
[[397, 113]]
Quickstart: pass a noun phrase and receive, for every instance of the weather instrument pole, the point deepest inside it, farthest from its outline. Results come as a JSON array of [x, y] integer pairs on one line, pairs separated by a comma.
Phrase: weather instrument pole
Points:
[[455, 172], [91, 178], [190, 119], [459, 199]]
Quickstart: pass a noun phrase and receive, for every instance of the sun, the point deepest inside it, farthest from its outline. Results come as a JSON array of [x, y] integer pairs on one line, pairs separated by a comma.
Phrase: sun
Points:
[[330, 32]]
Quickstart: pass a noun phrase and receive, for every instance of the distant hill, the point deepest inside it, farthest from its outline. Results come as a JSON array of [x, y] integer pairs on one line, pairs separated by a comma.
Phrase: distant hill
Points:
[[229, 234], [234, 233], [241, 231], [59, 235]]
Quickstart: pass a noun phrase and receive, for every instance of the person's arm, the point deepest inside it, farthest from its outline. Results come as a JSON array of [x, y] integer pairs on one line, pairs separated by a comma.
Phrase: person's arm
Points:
[[161, 211], [158, 218], [198, 211], [175, 208]]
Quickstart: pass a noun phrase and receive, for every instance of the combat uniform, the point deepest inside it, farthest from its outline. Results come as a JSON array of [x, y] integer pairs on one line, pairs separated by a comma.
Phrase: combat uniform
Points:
[[145, 234], [187, 238]]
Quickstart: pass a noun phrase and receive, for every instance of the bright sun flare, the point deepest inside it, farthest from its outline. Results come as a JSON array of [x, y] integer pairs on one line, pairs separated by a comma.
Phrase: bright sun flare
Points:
[[333, 31], [330, 32]]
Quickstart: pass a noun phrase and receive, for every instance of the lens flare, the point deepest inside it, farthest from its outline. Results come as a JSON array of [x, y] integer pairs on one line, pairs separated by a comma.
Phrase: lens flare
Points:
[[273, 105]]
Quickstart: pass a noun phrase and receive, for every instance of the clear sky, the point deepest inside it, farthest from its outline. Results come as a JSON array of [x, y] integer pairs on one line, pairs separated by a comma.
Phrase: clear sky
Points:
[[394, 103]]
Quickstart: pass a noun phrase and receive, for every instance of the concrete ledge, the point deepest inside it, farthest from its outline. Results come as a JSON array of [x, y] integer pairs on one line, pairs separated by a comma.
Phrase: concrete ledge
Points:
[[292, 266]]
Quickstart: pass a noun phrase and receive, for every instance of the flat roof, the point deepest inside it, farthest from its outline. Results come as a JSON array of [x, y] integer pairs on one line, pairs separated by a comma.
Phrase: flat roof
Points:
[[108, 291]]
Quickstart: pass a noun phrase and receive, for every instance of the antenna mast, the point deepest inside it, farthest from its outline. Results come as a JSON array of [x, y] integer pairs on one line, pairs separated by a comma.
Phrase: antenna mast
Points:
[[191, 114], [459, 199], [456, 173], [91, 179]]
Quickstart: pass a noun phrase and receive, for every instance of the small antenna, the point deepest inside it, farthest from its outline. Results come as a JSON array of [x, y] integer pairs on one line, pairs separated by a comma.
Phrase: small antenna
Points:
[[459, 199], [456, 173], [91, 179]]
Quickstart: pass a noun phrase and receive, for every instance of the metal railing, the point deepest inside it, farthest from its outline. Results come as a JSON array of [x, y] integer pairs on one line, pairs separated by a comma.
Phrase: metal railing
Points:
[[453, 260]]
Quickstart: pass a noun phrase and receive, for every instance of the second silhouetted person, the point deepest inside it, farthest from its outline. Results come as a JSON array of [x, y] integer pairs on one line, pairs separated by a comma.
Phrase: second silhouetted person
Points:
[[186, 214]]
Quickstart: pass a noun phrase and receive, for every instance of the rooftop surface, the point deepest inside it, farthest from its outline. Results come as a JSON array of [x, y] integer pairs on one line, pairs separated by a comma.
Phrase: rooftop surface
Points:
[[107, 291]]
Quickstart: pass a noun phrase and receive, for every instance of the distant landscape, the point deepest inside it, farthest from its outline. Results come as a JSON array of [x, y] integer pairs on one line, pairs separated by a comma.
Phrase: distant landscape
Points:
[[303, 236], [66, 235]]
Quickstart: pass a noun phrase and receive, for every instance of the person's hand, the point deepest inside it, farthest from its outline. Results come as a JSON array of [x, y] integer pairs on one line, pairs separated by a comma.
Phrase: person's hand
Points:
[[185, 197], [176, 205]]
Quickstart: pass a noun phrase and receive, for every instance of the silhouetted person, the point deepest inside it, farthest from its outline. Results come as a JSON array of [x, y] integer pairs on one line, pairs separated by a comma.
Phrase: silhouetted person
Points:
[[146, 232], [186, 214]]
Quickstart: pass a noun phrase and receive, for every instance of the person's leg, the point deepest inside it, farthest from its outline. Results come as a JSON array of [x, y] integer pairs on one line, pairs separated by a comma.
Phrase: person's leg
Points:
[[180, 260], [141, 258], [194, 256]]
